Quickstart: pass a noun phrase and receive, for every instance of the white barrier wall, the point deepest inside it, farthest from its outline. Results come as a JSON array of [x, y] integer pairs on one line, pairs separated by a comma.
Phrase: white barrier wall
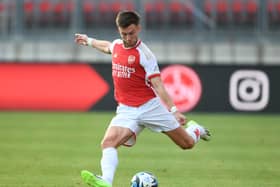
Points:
[[177, 52]]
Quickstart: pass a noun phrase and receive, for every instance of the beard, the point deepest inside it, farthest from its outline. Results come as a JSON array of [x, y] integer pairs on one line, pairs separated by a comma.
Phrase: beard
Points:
[[129, 44]]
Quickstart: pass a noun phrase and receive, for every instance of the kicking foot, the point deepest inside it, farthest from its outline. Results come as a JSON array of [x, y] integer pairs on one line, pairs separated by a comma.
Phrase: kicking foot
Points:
[[204, 133], [93, 180]]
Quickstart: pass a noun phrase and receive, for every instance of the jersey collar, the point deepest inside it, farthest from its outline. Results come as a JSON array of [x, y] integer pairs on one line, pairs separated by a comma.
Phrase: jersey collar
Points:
[[136, 45]]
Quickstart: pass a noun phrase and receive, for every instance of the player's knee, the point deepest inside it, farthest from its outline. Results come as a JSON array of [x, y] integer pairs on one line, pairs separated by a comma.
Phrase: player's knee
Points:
[[107, 142]]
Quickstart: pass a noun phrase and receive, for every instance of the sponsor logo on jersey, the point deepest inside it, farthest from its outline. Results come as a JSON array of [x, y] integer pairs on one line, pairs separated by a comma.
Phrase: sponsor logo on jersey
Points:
[[122, 71]]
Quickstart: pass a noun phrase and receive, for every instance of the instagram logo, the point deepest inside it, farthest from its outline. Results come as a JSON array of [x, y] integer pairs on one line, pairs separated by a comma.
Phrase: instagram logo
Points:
[[249, 90]]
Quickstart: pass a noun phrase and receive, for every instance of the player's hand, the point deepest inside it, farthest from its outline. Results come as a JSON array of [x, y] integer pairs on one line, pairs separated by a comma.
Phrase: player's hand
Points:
[[81, 39], [180, 118]]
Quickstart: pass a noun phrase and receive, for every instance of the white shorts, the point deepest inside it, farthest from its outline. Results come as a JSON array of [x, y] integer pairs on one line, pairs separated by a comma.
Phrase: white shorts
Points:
[[153, 115]]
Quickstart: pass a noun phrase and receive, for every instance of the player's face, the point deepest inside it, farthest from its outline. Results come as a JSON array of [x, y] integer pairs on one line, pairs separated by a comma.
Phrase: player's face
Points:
[[129, 35]]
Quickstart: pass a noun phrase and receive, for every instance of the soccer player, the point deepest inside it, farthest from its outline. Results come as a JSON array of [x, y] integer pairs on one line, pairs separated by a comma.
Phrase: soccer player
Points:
[[139, 90]]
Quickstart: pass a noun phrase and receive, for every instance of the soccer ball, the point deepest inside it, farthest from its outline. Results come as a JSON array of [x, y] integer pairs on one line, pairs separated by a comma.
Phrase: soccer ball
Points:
[[144, 179]]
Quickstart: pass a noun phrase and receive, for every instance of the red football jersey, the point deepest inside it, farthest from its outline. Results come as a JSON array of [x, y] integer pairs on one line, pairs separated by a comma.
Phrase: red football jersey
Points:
[[132, 69]]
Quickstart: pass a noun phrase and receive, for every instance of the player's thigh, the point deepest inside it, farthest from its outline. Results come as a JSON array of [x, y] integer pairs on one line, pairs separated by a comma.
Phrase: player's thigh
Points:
[[157, 118], [116, 136], [180, 137]]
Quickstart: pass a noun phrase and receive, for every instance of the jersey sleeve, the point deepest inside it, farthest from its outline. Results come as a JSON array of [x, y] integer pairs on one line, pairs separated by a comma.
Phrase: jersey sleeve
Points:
[[111, 48], [148, 61]]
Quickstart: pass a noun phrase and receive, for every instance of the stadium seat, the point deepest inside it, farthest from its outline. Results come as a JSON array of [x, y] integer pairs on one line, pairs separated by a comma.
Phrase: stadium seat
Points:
[[217, 10], [129, 5], [62, 11], [28, 13], [7, 11], [149, 13], [2, 10], [238, 9], [105, 14], [252, 12], [89, 13], [278, 9], [188, 9], [106, 11], [154, 11], [58, 13], [45, 14], [222, 8], [208, 8], [119, 5], [180, 13], [271, 13], [277, 15], [116, 6], [2, 7], [160, 8], [176, 13]]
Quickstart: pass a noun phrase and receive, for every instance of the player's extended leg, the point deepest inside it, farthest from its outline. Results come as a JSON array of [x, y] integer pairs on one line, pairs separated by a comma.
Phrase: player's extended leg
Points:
[[114, 137], [187, 138]]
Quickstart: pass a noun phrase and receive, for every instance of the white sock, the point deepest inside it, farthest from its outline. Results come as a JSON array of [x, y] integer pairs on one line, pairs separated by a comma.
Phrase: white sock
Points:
[[194, 131], [109, 162]]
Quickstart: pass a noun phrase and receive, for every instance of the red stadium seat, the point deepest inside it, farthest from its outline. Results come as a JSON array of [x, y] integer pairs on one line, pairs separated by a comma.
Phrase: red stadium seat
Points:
[[188, 9], [238, 9], [88, 13], [62, 11], [271, 13], [154, 13], [109, 9], [69, 11], [252, 6], [105, 15], [2, 7], [58, 13], [176, 12], [208, 8], [270, 7], [160, 8], [180, 13], [222, 8], [252, 11], [28, 8], [129, 5], [277, 10], [7, 8], [116, 6], [88, 6], [217, 10], [45, 8]]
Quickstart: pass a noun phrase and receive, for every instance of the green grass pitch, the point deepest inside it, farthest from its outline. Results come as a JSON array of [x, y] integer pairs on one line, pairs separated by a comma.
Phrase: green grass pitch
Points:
[[50, 150]]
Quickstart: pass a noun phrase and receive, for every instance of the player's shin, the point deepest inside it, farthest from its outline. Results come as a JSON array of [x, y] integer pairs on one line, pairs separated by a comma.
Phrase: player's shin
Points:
[[109, 163]]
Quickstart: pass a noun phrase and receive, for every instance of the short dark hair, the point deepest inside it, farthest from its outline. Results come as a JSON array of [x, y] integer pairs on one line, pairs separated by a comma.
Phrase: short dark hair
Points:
[[126, 18]]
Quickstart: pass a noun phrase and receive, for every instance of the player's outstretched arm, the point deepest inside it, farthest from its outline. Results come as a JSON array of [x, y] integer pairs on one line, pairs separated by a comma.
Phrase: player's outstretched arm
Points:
[[101, 45], [159, 88]]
